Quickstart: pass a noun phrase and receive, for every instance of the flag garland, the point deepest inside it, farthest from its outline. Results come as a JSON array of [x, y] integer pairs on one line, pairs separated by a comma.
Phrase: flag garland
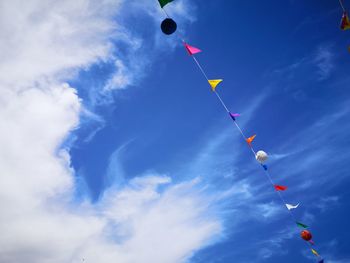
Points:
[[191, 50]]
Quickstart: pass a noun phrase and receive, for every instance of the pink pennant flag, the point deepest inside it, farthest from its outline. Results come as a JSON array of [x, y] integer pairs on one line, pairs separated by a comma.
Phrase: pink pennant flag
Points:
[[192, 50]]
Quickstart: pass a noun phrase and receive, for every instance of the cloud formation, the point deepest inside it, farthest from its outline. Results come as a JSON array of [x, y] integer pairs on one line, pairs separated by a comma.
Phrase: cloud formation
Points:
[[45, 44]]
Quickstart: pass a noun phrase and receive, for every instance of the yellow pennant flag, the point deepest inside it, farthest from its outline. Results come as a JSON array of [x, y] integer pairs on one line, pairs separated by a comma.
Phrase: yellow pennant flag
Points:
[[314, 252], [214, 82]]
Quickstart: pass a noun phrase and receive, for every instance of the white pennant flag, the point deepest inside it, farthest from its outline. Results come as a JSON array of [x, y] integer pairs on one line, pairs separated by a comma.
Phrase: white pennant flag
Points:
[[291, 206]]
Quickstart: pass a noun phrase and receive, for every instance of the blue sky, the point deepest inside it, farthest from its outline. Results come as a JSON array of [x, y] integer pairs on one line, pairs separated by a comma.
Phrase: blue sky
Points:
[[285, 69], [146, 155]]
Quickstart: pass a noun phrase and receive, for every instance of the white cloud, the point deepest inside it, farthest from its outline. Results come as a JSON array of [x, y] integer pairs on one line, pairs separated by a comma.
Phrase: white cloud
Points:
[[268, 210], [172, 221], [324, 61], [128, 225], [121, 79], [328, 202], [43, 44], [45, 39]]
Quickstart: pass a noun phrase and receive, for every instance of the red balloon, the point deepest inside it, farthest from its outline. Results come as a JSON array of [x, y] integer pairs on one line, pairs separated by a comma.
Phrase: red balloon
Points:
[[306, 235]]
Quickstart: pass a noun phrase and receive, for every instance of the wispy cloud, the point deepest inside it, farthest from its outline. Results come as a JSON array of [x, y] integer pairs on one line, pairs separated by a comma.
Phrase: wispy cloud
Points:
[[267, 210], [312, 137], [315, 67], [328, 202], [323, 59], [131, 55]]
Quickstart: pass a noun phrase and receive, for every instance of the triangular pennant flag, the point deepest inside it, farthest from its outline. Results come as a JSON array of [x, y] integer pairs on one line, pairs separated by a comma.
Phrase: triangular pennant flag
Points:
[[214, 82], [164, 2], [192, 50], [301, 225], [250, 139], [290, 207], [264, 166], [312, 242], [280, 187], [314, 252], [234, 115], [345, 22]]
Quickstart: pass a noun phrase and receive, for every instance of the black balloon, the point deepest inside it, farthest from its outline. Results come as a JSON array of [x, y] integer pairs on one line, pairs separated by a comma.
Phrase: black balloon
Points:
[[168, 26]]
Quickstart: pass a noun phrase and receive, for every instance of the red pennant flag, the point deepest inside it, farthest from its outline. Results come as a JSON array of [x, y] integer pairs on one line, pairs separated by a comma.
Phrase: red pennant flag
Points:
[[280, 187], [345, 23], [250, 139]]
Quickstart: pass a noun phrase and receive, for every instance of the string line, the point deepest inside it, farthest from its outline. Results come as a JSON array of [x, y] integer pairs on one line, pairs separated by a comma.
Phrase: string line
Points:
[[342, 5]]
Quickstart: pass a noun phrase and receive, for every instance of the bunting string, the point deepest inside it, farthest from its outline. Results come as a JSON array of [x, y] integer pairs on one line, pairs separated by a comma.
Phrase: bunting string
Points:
[[267, 173], [342, 5], [260, 156]]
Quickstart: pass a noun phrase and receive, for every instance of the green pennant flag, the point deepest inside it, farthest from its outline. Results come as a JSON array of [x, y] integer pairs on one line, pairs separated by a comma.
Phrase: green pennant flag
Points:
[[164, 2], [301, 225]]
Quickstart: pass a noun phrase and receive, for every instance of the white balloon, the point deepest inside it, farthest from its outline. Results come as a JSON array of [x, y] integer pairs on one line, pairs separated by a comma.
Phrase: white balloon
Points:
[[261, 156]]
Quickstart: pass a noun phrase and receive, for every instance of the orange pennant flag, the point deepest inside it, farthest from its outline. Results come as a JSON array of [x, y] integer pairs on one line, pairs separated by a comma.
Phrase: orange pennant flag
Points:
[[250, 139]]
